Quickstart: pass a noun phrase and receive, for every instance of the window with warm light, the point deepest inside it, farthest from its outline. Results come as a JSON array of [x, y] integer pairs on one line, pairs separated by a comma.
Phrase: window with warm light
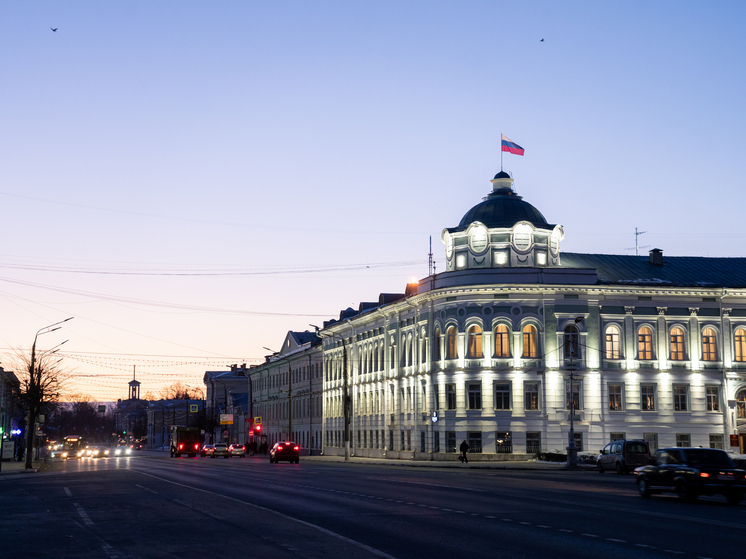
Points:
[[645, 343], [474, 342], [677, 344], [502, 341], [709, 345], [612, 342], [530, 341], [451, 337], [740, 345]]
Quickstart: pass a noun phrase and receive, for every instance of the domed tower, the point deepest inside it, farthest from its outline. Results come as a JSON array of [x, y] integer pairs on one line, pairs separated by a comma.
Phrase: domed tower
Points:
[[502, 231]]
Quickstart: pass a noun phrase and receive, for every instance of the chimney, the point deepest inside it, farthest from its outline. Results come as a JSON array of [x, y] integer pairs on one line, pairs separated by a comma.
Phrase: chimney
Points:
[[656, 257]]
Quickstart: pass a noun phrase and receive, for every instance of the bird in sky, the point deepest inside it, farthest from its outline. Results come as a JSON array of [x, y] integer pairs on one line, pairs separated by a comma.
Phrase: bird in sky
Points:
[[55, 30], [539, 41]]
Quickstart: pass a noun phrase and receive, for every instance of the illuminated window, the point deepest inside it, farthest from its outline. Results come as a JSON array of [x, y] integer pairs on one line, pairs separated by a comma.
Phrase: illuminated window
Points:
[[709, 345], [531, 396], [644, 343], [740, 345], [522, 236], [451, 335], [502, 341], [572, 395], [615, 397], [478, 239], [474, 342], [612, 342], [530, 341], [677, 344], [680, 397], [571, 345], [713, 398], [647, 397]]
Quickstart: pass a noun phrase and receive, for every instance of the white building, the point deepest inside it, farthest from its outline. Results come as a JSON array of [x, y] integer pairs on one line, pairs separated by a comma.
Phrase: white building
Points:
[[483, 351]]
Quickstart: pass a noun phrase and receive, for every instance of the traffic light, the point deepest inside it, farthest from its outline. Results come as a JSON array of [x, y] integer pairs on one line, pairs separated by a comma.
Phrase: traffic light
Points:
[[258, 429]]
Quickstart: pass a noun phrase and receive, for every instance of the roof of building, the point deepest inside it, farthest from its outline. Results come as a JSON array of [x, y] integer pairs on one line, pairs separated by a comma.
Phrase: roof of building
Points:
[[304, 337], [676, 271], [503, 208]]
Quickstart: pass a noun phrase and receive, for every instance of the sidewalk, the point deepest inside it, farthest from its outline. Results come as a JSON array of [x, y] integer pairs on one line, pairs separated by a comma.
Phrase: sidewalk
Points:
[[494, 465], [13, 467]]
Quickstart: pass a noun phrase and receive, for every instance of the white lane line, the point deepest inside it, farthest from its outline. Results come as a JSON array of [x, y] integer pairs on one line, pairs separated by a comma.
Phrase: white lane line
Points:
[[525, 523], [543, 526], [459, 512], [487, 516], [589, 535], [368, 548], [448, 510], [67, 492], [146, 488], [565, 530], [672, 551], [83, 514], [643, 545], [613, 540], [507, 520]]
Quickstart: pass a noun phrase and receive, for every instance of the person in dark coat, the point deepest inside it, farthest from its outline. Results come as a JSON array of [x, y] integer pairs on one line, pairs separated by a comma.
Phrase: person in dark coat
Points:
[[463, 448]]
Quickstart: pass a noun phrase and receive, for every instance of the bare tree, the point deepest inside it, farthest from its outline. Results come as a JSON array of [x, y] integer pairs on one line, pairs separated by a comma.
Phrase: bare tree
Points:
[[180, 391]]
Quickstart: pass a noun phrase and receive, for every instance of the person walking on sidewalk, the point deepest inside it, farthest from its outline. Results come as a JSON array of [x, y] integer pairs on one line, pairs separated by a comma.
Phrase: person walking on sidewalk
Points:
[[463, 448]]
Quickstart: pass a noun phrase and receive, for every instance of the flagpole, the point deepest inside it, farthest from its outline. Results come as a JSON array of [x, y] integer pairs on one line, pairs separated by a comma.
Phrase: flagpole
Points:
[[501, 152]]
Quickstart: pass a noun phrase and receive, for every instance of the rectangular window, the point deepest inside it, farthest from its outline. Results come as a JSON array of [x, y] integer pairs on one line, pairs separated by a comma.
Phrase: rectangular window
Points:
[[391, 439], [436, 396], [531, 396], [572, 397], [474, 439], [647, 397], [533, 442], [578, 440], [680, 397], [401, 446], [450, 441], [713, 398], [423, 434], [451, 396], [612, 343], [475, 395], [683, 440], [716, 441], [645, 344], [615, 397], [677, 344], [740, 348], [617, 437], [409, 439], [502, 395], [503, 442], [709, 345], [409, 398], [436, 441], [652, 440]]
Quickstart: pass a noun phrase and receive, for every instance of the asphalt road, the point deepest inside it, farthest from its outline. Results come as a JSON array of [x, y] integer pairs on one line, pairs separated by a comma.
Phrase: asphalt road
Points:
[[151, 505]]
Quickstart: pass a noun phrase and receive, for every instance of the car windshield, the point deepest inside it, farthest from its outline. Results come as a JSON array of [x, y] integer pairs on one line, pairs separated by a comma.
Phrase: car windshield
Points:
[[707, 457], [636, 448]]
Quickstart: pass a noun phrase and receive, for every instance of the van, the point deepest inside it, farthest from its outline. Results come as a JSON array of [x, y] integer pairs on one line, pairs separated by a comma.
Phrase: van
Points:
[[623, 456]]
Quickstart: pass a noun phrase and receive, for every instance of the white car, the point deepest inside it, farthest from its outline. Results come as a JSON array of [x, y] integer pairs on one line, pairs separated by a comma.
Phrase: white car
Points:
[[123, 450]]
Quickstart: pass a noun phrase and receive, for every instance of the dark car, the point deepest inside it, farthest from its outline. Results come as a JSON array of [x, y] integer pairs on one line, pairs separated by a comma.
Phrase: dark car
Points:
[[623, 456], [286, 450], [221, 449], [691, 472], [207, 450]]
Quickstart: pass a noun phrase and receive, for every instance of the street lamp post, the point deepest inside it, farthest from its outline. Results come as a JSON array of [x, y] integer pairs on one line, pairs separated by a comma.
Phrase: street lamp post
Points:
[[35, 392], [345, 389]]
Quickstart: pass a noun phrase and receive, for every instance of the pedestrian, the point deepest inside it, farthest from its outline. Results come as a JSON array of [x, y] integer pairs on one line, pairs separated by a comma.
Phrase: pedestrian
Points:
[[463, 448]]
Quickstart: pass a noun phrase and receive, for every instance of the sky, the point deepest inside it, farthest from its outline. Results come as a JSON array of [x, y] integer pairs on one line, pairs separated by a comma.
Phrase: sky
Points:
[[191, 180]]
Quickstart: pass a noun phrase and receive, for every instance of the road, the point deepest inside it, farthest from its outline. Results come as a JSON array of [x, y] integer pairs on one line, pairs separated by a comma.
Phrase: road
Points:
[[151, 505]]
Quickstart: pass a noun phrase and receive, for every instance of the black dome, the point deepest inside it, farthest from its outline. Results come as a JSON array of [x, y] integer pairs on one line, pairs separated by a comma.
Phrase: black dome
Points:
[[504, 208], [502, 175]]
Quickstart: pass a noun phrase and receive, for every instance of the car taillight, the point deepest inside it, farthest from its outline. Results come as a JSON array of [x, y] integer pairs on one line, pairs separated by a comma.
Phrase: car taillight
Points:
[[196, 446], [181, 446], [296, 448], [279, 447], [704, 474]]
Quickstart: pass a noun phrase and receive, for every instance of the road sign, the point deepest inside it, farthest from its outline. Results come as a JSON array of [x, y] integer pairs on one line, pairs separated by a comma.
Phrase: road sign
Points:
[[226, 419], [257, 421], [251, 433], [194, 408]]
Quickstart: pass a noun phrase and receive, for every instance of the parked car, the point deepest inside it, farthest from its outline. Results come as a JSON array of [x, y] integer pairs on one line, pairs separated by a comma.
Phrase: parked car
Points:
[[623, 456], [237, 450], [286, 450], [691, 472], [207, 450], [221, 449]]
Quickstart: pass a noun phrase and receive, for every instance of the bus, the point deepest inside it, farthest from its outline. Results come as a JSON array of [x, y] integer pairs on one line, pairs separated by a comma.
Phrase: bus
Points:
[[74, 446]]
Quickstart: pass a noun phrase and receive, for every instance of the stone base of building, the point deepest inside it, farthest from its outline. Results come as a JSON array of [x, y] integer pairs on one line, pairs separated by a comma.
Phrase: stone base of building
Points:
[[425, 456]]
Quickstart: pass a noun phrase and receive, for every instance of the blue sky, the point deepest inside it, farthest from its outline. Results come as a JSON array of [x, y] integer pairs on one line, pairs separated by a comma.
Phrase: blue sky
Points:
[[281, 140]]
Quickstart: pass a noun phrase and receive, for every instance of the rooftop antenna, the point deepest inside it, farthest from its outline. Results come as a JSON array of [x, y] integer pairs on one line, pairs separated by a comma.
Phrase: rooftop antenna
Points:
[[430, 263], [637, 247]]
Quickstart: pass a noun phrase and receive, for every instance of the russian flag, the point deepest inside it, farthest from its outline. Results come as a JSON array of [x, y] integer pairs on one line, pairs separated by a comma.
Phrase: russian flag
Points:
[[511, 147]]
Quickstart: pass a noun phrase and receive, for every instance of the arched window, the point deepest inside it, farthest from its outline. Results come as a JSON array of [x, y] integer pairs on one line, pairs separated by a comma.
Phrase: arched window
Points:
[[375, 358], [709, 345], [741, 404], [612, 342], [530, 341], [645, 343], [571, 345], [677, 344], [423, 349], [502, 341], [451, 336], [474, 342], [437, 344], [740, 348], [410, 346]]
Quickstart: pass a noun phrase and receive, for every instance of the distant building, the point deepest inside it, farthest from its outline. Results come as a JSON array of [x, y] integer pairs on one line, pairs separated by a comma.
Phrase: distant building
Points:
[[10, 406]]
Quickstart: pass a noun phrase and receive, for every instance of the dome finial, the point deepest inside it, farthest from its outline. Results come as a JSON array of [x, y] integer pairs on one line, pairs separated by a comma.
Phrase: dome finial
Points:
[[502, 181]]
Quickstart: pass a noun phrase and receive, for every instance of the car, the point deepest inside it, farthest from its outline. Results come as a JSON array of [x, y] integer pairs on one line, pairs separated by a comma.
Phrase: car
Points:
[[237, 450], [691, 472], [623, 456], [97, 451], [286, 450], [137, 445], [123, 449], [58, 452], [207, 450], [221, 449]]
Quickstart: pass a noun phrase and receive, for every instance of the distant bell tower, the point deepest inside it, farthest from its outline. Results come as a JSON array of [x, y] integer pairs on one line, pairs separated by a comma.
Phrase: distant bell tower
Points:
[[134, 387]]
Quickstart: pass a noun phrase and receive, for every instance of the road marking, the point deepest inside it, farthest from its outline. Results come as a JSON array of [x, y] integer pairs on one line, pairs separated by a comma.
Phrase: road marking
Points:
[[146, 488], [672, 551], [525, 523], [448, 510], [490, 517], [564, 530], [368, 548], [507, 520], [643, 545], [83, 514], [67, 492], [589, 535], [613, 540], [459, 512], [542, 526]]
